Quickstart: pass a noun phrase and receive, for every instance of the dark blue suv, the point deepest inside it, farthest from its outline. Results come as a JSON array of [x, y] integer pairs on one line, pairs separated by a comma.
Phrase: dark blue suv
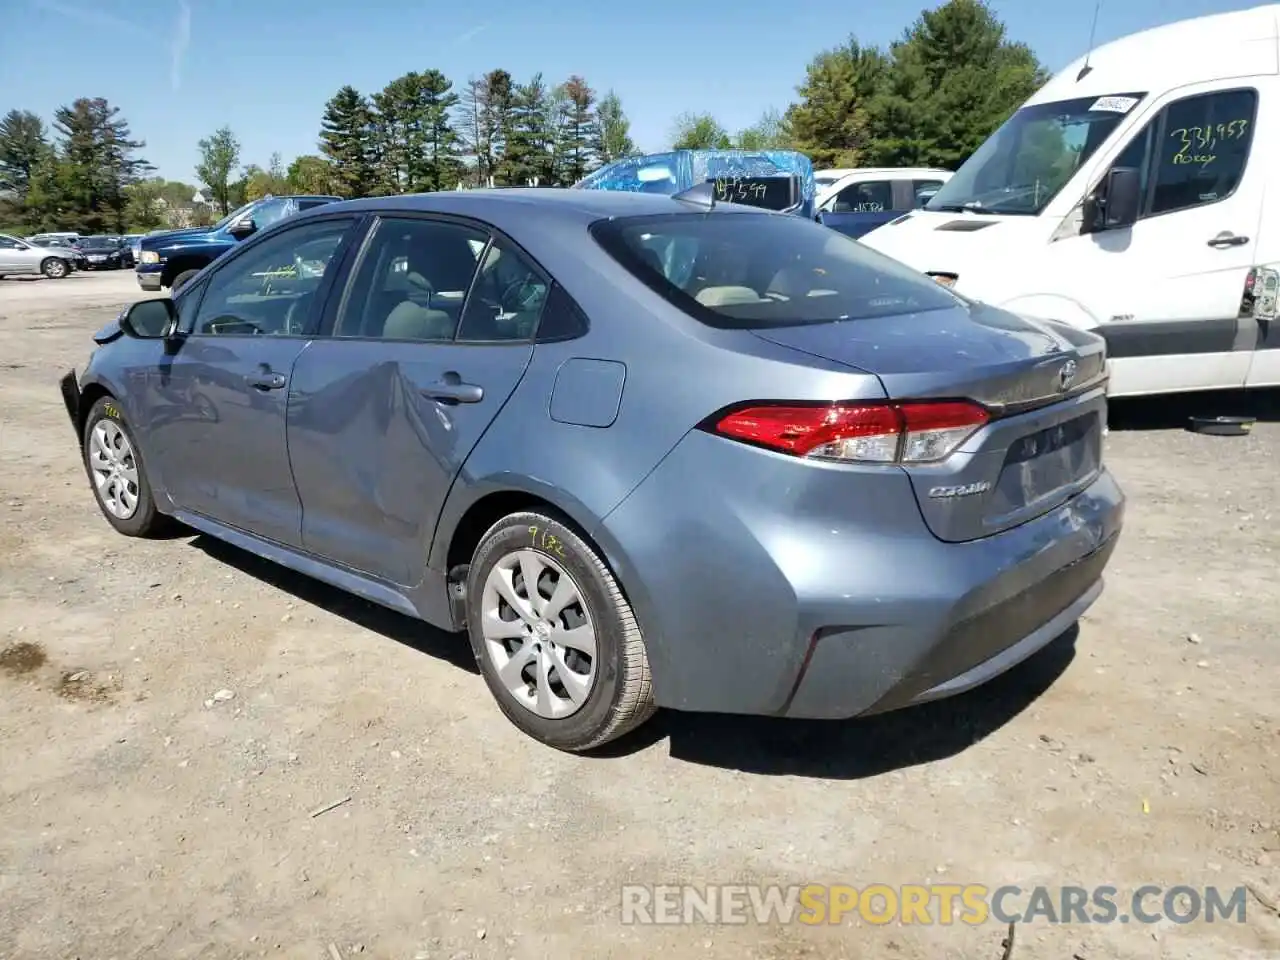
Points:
[[172, 258]]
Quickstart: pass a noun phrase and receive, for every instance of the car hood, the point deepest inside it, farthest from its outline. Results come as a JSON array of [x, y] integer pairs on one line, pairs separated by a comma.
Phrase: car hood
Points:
[[175, 236]]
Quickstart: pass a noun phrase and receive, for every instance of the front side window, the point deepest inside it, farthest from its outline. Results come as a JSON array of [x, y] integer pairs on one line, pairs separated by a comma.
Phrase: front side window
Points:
[[1021, 167], [754, 271], [274, 211], [8, 243], [1193, 152], [413, 281], [1203, 150], [270, 290], [238, 211], [869, 196]]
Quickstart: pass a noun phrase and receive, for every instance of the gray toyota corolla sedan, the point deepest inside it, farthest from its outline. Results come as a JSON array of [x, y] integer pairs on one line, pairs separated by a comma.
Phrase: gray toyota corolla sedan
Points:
[[648, 451]]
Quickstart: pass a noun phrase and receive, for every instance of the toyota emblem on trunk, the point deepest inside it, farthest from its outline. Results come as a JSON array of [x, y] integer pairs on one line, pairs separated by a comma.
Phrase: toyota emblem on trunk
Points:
[[1066, 374]]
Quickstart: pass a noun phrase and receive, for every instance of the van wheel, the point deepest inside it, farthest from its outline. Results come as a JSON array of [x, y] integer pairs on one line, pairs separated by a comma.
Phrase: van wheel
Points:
[[55, 268], [555, 639], [181, 279]]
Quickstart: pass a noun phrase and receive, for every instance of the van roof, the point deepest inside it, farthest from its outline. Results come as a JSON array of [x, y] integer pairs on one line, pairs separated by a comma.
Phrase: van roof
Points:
[[1242, 43]]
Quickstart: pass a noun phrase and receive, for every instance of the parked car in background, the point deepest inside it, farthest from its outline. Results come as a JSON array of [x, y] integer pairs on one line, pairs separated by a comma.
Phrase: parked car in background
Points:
[[856, 201], [132, 247], [779, 180], [102, 252], [1131, 196], [23, 258], [646, 452], [172, 258], [42, 239], [68, 249]]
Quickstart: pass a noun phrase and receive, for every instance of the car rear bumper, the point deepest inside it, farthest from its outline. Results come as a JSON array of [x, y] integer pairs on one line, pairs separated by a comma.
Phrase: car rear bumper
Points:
[[761, 593]]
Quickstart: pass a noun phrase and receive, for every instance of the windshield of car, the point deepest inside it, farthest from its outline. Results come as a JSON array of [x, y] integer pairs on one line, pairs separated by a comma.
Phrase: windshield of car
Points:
[[100, 243], [1023, 165], [755, 271]]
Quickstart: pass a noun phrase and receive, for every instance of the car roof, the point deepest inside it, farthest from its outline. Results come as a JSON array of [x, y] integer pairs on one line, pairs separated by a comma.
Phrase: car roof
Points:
[[505, 204]]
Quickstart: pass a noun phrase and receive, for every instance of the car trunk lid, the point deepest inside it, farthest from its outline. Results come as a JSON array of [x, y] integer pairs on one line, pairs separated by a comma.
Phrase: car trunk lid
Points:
[[1043, 384]]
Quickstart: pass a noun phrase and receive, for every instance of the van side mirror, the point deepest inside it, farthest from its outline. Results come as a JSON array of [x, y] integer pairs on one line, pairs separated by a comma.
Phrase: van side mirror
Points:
[[1116, 201], [150, 319]]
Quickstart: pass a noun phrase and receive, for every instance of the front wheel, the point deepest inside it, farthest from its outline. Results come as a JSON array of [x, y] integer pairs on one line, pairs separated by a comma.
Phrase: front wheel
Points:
[[181, 279], [55, 268], [114, 464], [553, 635]]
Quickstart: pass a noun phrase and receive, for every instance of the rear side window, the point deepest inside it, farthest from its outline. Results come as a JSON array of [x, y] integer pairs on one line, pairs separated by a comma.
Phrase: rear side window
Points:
[[754, 271], [870, 196]]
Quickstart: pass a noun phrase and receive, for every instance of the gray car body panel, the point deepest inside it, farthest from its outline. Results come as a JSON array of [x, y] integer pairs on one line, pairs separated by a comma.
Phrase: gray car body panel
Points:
[[759, 579]]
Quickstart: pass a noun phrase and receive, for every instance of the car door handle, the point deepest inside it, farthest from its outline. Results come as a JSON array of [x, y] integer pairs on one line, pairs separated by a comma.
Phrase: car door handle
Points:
[[266, 380], [1228, 239], [454, 392]]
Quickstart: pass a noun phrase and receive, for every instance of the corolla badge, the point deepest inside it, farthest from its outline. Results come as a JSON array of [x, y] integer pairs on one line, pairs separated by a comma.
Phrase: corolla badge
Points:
[[964, 490], [1066, 374]]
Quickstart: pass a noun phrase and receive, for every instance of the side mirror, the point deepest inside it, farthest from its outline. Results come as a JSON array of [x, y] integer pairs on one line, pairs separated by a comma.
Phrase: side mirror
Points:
[[818, 216], [1116, 201], [242, 228], [150, 319]]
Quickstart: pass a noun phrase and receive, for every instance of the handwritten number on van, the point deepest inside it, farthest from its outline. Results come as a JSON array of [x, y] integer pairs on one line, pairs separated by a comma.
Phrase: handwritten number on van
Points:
[[1197, 143]]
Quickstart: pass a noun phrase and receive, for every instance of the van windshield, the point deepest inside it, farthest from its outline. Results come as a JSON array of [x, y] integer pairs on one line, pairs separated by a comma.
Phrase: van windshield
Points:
[[1023, 165]]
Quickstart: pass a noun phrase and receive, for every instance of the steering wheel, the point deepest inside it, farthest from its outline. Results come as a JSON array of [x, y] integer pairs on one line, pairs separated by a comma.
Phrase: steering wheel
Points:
[[521, 296]]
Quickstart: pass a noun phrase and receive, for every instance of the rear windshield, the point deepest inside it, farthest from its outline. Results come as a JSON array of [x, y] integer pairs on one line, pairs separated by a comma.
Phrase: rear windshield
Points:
[[754, 271]]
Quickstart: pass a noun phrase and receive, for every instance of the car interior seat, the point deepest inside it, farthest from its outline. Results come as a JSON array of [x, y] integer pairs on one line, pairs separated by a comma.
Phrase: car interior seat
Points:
[[412, 321]]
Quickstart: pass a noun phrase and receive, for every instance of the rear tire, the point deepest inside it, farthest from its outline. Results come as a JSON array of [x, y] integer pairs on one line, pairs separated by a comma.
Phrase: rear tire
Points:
[[117, 475], [55, 268], [566, 662], [181, 279]]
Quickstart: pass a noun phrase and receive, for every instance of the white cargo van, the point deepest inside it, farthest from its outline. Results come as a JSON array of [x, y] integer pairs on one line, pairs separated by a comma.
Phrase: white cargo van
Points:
[[1136, 194]]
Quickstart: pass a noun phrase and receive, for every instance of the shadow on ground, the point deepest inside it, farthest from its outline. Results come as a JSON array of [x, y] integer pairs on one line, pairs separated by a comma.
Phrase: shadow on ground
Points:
[[453, 648], [1173, 411], [834, 750], [854, 749]]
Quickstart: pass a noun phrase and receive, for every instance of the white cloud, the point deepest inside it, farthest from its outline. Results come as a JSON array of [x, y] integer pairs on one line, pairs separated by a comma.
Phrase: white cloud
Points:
[[179, 42], [470, 34]]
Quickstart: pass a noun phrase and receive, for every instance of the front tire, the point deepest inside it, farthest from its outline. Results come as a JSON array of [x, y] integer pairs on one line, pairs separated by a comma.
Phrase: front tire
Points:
[[113, 461], [181, 279], [55, 268], [553, 635]]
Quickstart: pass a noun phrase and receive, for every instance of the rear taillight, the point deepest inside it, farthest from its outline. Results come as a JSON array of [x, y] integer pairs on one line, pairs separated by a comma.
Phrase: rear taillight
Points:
[[912, 432]]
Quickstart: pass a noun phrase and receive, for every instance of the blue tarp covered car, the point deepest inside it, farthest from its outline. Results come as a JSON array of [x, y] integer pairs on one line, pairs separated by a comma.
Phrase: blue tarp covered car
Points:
[[774, 179]]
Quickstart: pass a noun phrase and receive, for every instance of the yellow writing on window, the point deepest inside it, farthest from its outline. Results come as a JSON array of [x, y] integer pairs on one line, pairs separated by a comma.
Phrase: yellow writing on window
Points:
[[1197, 145]]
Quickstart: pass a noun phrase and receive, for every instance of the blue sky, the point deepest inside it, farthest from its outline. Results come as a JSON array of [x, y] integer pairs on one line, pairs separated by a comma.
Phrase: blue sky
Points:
[[179, 69]]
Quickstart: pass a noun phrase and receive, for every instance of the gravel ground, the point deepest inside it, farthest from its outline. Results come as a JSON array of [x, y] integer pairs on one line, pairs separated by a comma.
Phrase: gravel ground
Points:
[[173, 713]]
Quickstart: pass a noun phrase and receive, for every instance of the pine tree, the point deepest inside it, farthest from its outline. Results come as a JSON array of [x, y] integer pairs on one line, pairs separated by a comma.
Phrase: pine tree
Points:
[[613, 130], [580, 132], [345, 134]]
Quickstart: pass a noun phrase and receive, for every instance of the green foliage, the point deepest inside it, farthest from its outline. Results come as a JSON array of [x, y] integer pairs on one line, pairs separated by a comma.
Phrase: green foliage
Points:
[[930, 100], [346, 139], [699, 131], [219, 155]]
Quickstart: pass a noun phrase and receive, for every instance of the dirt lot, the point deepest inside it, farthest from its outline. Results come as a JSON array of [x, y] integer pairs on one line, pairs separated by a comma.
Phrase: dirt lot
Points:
[[143, 816]]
